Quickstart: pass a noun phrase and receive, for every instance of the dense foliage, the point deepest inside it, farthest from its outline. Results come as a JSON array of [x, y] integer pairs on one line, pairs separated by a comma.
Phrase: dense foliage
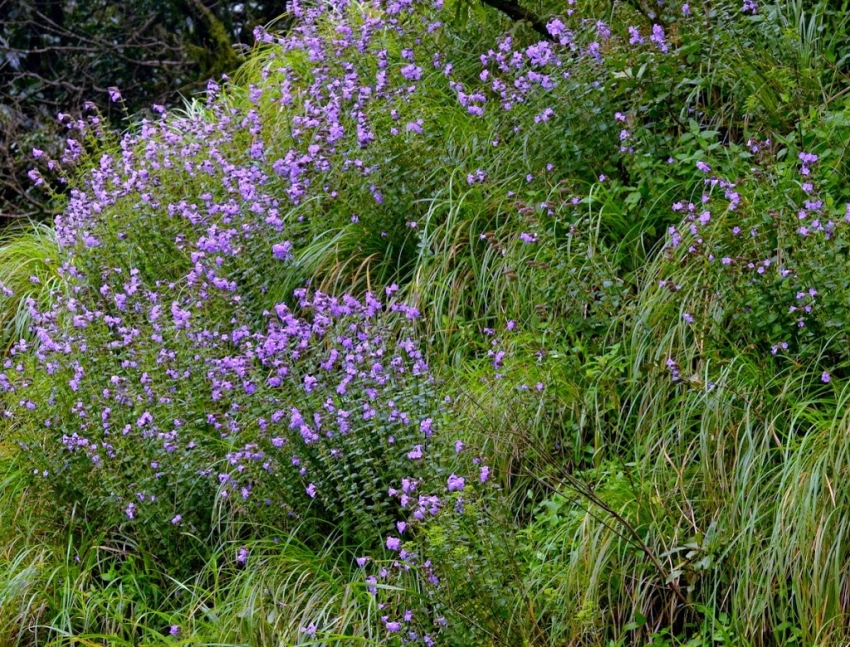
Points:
[[61, 55], [432, 329]]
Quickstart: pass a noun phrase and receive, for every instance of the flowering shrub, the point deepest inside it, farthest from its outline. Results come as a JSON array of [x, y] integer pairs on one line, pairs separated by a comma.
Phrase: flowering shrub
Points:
[[150, 416]]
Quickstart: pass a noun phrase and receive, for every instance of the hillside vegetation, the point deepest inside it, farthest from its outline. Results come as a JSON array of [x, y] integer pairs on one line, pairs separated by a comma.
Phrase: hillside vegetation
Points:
[[431, 327]]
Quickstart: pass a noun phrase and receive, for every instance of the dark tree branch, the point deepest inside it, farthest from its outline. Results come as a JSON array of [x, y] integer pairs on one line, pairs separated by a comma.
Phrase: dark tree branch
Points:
[[515, 12]]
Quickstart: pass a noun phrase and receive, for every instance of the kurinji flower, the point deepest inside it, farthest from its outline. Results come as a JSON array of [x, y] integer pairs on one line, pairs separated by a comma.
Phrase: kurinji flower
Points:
[[35, 176], [282, 251], [411, 72], [559, 30], [657, 37], [391, 626], [455, 483]]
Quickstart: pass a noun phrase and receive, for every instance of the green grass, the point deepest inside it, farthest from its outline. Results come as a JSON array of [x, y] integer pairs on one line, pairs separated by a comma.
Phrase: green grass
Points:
[[29, 268]]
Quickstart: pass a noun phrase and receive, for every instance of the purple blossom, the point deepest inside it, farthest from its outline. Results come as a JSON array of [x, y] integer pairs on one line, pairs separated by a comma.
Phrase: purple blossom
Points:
[[455, 483], [282, 251], [657, 37], [411, 72]]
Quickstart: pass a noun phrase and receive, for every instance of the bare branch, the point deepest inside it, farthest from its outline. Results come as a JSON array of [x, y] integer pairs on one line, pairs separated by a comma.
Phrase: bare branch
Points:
[[515, 12]]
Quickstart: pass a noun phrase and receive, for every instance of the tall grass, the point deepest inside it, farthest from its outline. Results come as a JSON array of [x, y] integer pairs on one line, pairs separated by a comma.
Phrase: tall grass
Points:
[[29, 269]]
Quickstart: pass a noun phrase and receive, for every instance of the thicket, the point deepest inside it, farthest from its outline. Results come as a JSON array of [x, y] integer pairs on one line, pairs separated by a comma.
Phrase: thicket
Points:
[[64, 56], [432, 329]]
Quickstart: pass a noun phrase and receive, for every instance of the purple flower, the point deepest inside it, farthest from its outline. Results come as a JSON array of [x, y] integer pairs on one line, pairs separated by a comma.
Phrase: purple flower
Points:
[[485, 474], [702, 166], [411, 72], [657, 37], [242, 555], [281, 251], [825, 378], [455, 483], [393, 543], [114, 94], [634, 36], [175, 630], [311, 490], [391, 626]]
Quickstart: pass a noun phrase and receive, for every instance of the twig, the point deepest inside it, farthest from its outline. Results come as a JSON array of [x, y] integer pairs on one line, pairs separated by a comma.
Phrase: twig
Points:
[[518, 13]]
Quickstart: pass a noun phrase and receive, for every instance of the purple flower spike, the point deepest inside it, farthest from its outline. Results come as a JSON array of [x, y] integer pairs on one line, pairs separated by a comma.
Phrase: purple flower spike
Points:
[[282, 251], [455, 483]]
